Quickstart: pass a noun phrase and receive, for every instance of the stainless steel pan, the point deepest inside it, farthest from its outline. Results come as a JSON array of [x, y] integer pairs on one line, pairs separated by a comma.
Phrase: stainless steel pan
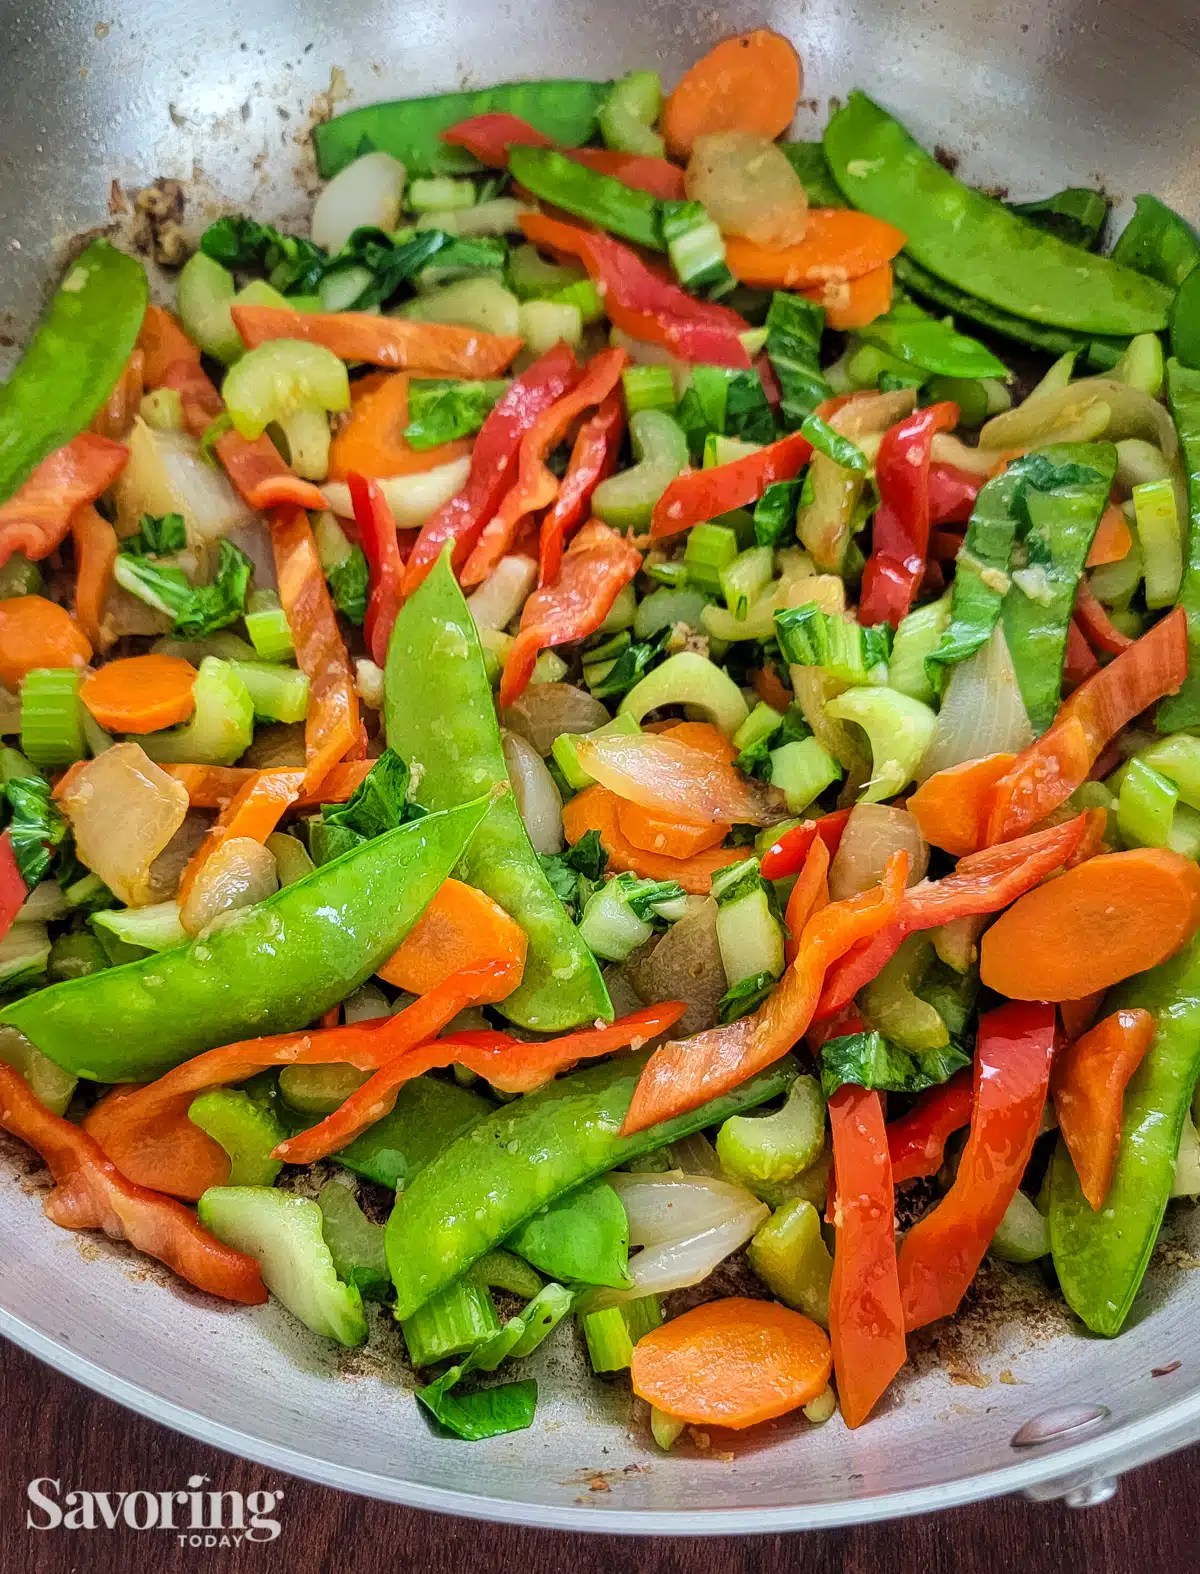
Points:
[[220, 95]]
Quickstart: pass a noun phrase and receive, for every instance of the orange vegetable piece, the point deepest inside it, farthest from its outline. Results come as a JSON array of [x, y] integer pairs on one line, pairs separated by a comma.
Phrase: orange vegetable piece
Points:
[[1089, 1090], [439, 348], [140, 693], [750, 82], [254, 812], [808, 896], [658, 833], [95, 554], [595, 809], [952, 807], [460, 928], [163, 342], [770, 689], [839, 244], [1092, 926], [35, 632], [854, 304], [372, 441], [1078, 1015], [115, 416], [1112, 540], [216, 786], [37, 517]]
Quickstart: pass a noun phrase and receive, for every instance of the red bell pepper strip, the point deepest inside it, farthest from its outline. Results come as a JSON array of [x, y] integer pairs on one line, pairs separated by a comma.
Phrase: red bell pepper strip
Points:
[[536, 485], [917, 1141], [809, 894], [941, 1253], [1095, 624], [639, 301], [377, 531], [866, 1319], [489, 137], [1080, 663], [593, 457], [13, 889], [900, 533], [985, 882], [952, 494], [1049, 771], [162, 342], [698, 495], [656, 175], [1089, 1092], [216, 786], [493, 463], [90, 1193], [596, 567], [36, 518], [787, 855], [683, 1074]]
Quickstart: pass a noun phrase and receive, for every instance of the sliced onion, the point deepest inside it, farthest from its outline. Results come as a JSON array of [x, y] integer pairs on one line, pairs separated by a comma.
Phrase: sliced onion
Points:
[[369, 681], [412, 498], [873, 833], [503, 593], [254, 540], [365, 193], [749, 188], [539, 801], [695, 1155], [673, 779], [982, 711], [240, 873], [1047, 417], [546, 710], [686, 965], [167, 869], [166, 474], [124, 810], [951, 450]]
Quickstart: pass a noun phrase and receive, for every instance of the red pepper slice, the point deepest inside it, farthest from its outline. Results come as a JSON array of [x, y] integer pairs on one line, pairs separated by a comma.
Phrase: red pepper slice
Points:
[[377, 528], [900, 533], [866, 1318], [13, 889], [493, 463], [787, 855], [952, 494], [36, 518], [596, 567], [593, 457], [1095, 624], [1079, 663], [489, 138], [917, 1141], [697, 495], [90, 1193], [941, 1253]]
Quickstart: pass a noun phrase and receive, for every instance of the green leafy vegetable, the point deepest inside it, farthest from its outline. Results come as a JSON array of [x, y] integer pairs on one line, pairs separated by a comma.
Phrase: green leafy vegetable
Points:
[[868, 1061], [36, 827], [775, 513], [577, 873], [833, 445], [349, 582], [582, 1237], [629, 667], [809, 637], [794, 328], [441, 410], [1158, 242], [157, 537], [295, 266], [745, 996], [197, 609], [1076, 215]]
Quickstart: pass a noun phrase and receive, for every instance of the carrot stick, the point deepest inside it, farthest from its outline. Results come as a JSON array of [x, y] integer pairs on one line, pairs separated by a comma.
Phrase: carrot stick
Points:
[[163, 343], [37, 517], [35, 632], [254, 813], [331, 728], [1112, 540], [595, 809], [951, 807], [1089, 1090], [433, 347], [460, 928], [372, 441], [840, 244], [856, 302], [215, 786], [1094, 925], [140, 693], [115, 416], [750, 82], [95, 554]]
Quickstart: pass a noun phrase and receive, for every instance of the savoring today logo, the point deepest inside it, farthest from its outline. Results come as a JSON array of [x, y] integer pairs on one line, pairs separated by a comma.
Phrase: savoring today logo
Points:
[[197, 1519]]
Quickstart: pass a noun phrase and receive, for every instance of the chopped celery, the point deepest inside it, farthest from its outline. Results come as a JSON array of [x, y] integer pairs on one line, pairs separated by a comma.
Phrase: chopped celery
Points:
[[246, 1129], [1185, 832], [584, 296], [664, 1428], [622, 612], [566, 758], [1146, 805], [153, 928], [440, 192], [802, 770], [667, 607], [277, 693], [789, 1255], [710, 551], [206, 291], [899, 730], [809, 637], [745, 579], [452, 1322], [720, 450], [504, 1270], [619, 917], [648, 388], [222, 726], [627, 500], [292, 862], [75, 956], [355, 1242], [342, 288], [51, 716], [762, 724], [749, 935], [612, 1333], [890, 1004], [1023, 1234], [307, 439], [543, 323], [917, 637], [267, 626], [669, 572], [770, 1149], [1161, 541], [531, 278], [481, 303], [51, 1085], [689, 679], [500, 216], [319, 1090], [696, 248], [280, 377], [24, 955], [1115, 584], [162, 410], [626, 116], [549, 668], [1177, 757], [1141, 365]]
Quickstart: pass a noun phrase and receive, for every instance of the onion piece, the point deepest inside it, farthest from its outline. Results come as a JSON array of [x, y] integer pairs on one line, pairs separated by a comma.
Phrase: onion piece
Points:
[[166, 474], [1048, 418], [872, 834], [240, 873], [366, 193], [749, 188], [686, 965], [504, 592], [539, 802], [412, 498], [254, 540], [124, 809], [982, 711], [672, 778], [695, 1155], [546, 710]]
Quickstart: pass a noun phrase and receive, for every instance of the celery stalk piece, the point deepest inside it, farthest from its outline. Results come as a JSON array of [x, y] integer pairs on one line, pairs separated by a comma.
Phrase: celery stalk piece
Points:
[[277, 693], [481, 303], [222, 726], [626, 501], [664, 1428], [273, 381], [206, 291], [689, 679], [899, 730], [648, 388], [440, 192], [710, 552], [891, 1006], [543, 323], [771, 1149], [802, 770], [567, 759], [267, 625], [246, 1129], [918, 636], [452, 1322], [749, 935], [745, 579], [1146, 805], [788, 1253], [1161, 541], [1177, 757], [52, 716]]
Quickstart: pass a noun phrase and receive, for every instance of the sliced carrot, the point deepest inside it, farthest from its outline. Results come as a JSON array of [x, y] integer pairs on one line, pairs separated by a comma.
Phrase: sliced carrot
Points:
[[732, 1363], [750, 82], [460, 928], [1093, 925], [595, 809], [1078, 1015], [115, 415], [437, 347], [216, 786], [372, 441], [1112, 540], [140, 693], [702, 735], [769, 688], [856, 303], [658, 833], [163, 342], [35, 632], [839, 244], [1089, 1091], [37, 517], [952, 807], [254, 813], [95, 554]]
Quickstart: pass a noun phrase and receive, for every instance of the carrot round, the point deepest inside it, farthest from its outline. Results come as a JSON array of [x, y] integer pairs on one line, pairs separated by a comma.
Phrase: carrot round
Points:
[[732, 1363], [952, 807], [140, 693], [461, 928], [857, 303], [35, 632], [372, 441], [839, 244], [1089, 928], [1089, 1092], [750, 82]]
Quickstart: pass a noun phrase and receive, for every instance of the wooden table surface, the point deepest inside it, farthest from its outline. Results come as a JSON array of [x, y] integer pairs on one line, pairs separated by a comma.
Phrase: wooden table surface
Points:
[[57, 1429]]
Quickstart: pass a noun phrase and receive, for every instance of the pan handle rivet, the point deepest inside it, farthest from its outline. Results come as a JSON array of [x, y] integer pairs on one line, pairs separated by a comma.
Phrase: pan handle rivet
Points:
[[1053, 1424]]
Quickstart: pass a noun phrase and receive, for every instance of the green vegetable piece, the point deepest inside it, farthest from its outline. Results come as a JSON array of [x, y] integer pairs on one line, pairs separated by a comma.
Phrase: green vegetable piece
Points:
[[588, 194], [802, 770], [612, 1332], [899, 730], [153, 928], [976, 243], [789, 1255], [272, 969], [500, 1172], [1141, 366], [1185, 322], [267, 626], [20, 577], [1178, 759], [919, 635], [809, 161], [36, 827], [582, 1237], [441, 410], [52, 717], [502, 1270], [891, 1005], [770, 1149], [648, 388], [50, 1083], [1182, 710], [842, 648], [932, 345], [749, 934], [277, 693], [77, 353], [428, 1116], [869, 1061], [833, 445], [1100, 1257], [626, 501], [283, 1232], [246, 1129], [1146, 806], [531, 278], [319, 1090], [710, 552], [1158, 243], [689, 679], [206, 291], [629, 112], [696, 248], [453, 1322], [277, 379], [198, 610], [1023, 1235], [775, 513], [222, 726], [74, 956], [355, 1242], [1076, 214], [24, 956]]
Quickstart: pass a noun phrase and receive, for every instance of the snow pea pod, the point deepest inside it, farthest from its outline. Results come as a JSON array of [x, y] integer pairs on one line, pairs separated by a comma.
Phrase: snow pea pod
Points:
[[441, 719], [1183, 398], [82, 342], [589, 195], [428, 1115], [1156, 241], [271, 969], [977, 243], [1100, 1257], [499, 1173]]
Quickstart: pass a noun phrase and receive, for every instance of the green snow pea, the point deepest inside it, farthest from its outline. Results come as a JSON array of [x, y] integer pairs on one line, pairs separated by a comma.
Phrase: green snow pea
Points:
[[440, 718], [1076, 214], [1157, 242], [974, 241], [410, 128], [355, 1242], [1185, 321], [582, 1237], [272, 969], [494, 1177], [1100, 1257], [809, 161], [429, 1114], [1182, 710], [925, 342], [74, 358], [589, 195]]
